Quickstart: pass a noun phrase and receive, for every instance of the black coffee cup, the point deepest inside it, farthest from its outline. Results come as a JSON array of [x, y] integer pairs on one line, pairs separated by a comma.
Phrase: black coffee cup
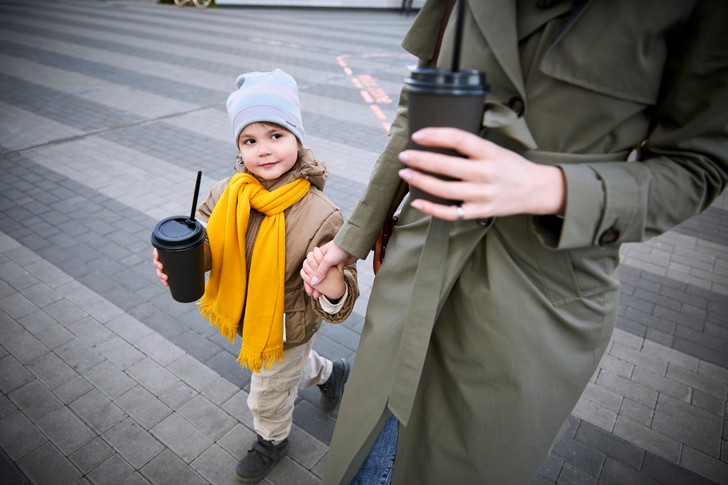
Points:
[[439, 97], [179, 242]]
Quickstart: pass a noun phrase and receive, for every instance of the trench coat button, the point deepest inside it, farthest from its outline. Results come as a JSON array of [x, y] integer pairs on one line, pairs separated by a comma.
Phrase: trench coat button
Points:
[[516, 105], [609, 237]]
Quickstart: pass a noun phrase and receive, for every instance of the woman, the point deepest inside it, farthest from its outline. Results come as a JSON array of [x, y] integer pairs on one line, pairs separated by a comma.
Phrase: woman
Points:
[[605, 123]]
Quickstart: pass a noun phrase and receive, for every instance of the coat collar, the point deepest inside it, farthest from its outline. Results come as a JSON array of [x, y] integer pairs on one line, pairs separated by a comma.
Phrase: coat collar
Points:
[[497, 22]]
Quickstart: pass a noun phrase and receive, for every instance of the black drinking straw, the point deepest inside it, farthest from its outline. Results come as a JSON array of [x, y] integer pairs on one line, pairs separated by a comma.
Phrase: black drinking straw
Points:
[[458, 36], [194, 199]]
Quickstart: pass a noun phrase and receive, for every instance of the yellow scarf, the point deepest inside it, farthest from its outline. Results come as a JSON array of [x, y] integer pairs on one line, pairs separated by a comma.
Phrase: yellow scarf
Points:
[[226, 293]]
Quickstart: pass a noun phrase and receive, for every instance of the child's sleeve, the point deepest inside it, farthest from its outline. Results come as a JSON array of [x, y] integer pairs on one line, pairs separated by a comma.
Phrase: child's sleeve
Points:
[[346, 305]]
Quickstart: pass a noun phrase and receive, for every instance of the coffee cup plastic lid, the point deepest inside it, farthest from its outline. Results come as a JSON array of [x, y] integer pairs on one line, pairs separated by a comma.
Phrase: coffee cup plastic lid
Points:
[[177, 231], [440, 80]]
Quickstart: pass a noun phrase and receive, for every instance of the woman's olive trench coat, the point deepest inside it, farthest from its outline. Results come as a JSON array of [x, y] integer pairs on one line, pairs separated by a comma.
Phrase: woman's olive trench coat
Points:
[[480, 338]]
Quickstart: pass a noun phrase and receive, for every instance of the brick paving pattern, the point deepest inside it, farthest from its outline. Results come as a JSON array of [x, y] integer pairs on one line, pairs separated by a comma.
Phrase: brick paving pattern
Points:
[[107, 111]]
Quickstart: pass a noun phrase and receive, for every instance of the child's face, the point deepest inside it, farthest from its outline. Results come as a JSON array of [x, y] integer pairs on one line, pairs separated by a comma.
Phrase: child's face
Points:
[[268, 150]]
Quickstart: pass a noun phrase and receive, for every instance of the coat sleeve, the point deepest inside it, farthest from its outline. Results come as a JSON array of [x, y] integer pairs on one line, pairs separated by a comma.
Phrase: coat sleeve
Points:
[[683, 164]]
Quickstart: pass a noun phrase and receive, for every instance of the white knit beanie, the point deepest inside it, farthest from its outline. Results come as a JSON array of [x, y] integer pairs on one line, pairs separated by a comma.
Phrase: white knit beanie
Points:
[[265, 96]]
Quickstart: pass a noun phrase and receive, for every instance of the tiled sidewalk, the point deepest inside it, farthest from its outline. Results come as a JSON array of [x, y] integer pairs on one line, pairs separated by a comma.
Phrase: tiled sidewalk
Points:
[[107, 111]]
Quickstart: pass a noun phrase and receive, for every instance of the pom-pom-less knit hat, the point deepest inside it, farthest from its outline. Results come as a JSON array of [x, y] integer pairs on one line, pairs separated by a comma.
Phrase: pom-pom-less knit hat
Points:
[[265, 96]]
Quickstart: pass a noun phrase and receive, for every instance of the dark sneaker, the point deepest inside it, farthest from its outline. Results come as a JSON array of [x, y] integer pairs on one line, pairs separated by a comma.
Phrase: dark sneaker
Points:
[[333, 388], [260, 460]]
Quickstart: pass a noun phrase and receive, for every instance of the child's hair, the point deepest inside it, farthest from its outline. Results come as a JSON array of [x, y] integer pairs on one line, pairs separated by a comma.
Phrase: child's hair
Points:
[[270, 97]]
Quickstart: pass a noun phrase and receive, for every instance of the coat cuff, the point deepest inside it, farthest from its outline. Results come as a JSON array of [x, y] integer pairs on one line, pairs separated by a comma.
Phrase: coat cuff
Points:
[[604, 207]]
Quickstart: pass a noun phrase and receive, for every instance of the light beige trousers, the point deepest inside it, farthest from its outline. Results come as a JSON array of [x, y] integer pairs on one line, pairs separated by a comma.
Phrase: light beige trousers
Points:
[[273, 391]]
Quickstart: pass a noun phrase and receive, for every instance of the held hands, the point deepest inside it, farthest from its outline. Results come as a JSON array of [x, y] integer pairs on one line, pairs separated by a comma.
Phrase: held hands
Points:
[[499, 183], [160, 269], [323, 271]]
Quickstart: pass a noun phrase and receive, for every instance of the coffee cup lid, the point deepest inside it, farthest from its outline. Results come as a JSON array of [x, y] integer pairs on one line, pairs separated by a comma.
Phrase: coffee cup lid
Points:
[[441, 80], [177, 231]]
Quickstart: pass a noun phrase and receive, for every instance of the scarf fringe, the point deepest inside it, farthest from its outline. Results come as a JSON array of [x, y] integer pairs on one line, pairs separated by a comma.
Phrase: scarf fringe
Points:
[[226, 329], [255, 362]]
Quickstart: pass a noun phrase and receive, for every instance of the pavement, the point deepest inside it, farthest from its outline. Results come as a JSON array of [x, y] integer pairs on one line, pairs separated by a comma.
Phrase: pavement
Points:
[[107, 111]]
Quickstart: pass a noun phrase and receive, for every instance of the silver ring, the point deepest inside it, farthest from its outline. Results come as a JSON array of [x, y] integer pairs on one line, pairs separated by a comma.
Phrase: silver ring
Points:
[[461, 213]]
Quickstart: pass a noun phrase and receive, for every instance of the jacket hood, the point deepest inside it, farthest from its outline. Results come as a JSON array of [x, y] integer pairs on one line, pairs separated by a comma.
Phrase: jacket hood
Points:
[[306, 167]]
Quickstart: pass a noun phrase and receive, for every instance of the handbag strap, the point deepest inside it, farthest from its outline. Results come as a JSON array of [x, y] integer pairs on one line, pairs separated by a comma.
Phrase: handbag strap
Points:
[[404, 188]]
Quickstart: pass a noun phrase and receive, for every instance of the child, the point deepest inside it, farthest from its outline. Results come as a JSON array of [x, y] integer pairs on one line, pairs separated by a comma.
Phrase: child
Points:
[[261, 224]]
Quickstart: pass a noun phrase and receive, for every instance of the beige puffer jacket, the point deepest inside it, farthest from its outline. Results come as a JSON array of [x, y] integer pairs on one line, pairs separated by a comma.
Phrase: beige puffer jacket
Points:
[[311, 222]]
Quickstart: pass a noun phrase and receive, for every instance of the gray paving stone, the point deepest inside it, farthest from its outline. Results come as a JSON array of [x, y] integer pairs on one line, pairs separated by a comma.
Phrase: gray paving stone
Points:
[[133, 443], [192, 372], [648, 439], [116, 470], [98, 411], [670, 474], [159, 348], [35, 400], [615, 472], [217, 466], [6, 407], [237, 407], [46, 329], [13, 374], [238, 441], [697, 381], [65, 430], [73, 389], [91, 455], [177, 395], [690, 415], [23, 345], [78, 355], [219, 391], [41, 294], [705, 442], [612, 446], [168, 468], [47, 465], [661, 384], [628, 388], [208, 417], [152, 375], [109, 379], [18, 436], [704, 465], [144, 407], [90, 331], [120, 353], [183, 438], [573, 475], [129, 328]]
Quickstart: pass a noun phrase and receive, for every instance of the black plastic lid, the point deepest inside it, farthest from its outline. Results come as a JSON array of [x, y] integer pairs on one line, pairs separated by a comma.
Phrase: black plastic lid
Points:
[[177, 232], [444, 81]]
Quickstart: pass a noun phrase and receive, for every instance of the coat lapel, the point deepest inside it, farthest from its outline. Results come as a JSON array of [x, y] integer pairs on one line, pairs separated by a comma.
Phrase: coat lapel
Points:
[[501, 33]]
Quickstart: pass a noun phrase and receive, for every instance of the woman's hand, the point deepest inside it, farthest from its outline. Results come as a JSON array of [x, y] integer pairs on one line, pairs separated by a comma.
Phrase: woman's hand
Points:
[[333, 285], [492, 181], [160, 269], [331, 255]]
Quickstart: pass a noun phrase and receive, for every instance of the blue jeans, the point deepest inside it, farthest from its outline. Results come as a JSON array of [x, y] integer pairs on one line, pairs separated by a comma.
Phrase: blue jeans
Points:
[[378, 465]]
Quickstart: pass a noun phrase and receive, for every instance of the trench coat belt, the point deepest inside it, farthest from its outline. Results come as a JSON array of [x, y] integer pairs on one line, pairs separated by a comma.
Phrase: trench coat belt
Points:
[[420, 318], [428, 280]]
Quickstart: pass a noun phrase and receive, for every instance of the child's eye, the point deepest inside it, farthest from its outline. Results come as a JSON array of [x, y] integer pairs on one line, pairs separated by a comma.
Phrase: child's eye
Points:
[[248, 142], [276, 136]]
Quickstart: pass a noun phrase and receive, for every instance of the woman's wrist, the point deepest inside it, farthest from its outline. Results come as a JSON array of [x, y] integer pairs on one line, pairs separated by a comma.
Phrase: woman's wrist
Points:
[[550, 191]]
